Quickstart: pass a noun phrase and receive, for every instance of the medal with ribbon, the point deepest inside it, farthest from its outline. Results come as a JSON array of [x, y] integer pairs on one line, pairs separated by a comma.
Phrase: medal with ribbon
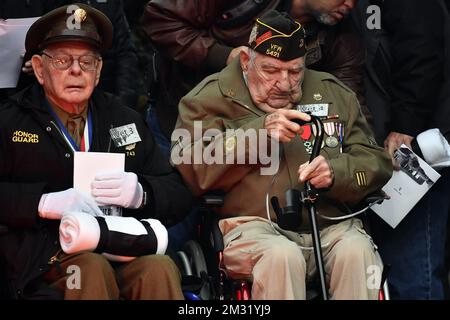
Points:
[[305, 136], [87, 133], [340, 134]]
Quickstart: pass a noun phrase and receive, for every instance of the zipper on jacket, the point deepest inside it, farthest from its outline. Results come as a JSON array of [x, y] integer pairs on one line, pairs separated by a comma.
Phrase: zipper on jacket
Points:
[[55, 261], [61, 134]]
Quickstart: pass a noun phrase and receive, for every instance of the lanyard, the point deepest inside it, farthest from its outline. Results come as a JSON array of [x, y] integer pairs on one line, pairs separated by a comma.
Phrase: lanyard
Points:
[[87, 133]]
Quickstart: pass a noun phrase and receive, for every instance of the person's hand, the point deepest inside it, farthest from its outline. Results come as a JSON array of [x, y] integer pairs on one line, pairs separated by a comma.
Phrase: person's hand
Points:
[[27, 68], [393, 141], [280, 126], [117, 188], [319, 173], [54, 205], [235, 52]]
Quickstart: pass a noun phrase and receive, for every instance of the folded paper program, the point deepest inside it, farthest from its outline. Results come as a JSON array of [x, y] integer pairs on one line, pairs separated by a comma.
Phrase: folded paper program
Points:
[[118, 238]]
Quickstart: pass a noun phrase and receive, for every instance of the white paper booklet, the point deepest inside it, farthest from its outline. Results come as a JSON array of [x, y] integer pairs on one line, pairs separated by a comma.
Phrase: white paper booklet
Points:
[[88, 164], [406, 187], [12, 48]]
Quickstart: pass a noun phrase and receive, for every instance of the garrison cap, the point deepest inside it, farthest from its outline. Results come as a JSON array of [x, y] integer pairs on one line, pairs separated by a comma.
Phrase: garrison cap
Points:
[[278, 35], [75, 22]]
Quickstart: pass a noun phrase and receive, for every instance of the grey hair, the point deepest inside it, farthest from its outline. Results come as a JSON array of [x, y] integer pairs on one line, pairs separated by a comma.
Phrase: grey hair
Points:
[[252, 56]]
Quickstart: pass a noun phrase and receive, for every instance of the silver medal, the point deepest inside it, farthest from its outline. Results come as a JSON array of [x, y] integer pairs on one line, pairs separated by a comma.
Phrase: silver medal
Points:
[[331, 142]]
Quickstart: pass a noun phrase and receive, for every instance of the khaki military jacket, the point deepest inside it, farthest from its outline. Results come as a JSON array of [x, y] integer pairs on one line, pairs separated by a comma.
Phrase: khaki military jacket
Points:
[[222, 102]]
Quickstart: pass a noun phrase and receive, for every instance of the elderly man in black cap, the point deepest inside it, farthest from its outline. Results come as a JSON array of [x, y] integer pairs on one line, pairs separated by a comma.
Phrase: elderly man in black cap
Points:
[[41, 128], [260, 94]]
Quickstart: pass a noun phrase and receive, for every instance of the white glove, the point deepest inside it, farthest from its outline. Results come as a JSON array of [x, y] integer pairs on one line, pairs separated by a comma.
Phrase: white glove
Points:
[[435, 148], [54, 205], [117, 188]]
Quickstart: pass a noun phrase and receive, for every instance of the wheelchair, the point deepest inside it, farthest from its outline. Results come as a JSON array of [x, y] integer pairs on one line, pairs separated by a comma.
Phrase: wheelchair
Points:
[[202, 259]]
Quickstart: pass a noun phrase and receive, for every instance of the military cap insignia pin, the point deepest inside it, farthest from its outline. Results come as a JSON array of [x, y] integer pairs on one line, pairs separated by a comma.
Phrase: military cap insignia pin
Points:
[[80, 15]]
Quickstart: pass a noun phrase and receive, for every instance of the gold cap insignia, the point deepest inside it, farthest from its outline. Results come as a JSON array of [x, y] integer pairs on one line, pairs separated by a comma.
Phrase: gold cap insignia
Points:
[[317, 96], [80, 15], [231, 92], [130, 146]]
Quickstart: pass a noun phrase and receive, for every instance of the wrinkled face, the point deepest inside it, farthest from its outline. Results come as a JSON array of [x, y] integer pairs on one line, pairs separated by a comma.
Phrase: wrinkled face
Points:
[[273, 83], [329, 12], [66, 85]]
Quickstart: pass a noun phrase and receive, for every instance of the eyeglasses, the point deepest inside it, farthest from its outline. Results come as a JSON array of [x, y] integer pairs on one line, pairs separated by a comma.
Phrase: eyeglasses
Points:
[[87, 62]]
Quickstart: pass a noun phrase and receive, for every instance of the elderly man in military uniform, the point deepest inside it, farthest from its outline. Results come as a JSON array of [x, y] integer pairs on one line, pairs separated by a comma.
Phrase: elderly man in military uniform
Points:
[[41, 128], [266, 87]]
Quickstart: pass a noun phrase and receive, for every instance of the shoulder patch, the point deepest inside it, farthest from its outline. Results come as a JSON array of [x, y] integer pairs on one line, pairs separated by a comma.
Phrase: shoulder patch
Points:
[[199, 87], [361, 179]]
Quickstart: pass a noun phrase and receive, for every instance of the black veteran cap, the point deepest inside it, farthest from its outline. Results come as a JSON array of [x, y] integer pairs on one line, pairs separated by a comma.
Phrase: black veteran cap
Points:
[[75, 22], [278, 35]]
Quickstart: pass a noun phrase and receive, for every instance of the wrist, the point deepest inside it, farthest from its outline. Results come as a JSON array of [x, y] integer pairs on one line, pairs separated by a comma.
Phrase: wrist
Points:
[[41, 205]]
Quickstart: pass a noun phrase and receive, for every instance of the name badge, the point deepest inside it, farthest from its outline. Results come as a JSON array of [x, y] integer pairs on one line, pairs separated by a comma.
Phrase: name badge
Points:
[[125, 135], [317, 109]]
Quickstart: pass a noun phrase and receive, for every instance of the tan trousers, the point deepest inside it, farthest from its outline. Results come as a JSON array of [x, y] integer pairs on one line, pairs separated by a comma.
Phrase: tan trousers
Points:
[[152, 277], [278, 266]]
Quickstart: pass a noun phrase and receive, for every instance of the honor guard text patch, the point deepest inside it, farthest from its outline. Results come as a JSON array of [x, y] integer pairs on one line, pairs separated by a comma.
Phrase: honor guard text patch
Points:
[[24, 137]]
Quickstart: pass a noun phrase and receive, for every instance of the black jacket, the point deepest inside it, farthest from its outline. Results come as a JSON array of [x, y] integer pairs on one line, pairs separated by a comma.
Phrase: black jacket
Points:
[[45, 164], [416, 37], [407, 71]]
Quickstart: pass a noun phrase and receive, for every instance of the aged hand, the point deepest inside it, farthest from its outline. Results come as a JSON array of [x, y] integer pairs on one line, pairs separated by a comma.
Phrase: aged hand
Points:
[[117, 188], [280, 126], [393, 141], [319, 172], [54, 205]]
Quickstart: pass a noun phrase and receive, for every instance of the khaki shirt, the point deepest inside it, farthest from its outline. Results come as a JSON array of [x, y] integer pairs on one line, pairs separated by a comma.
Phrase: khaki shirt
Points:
[[222, 101]]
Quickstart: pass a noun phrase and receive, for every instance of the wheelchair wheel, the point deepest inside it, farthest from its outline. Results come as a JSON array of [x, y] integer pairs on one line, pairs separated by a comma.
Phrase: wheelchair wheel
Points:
[[184, 266], [197, 262]]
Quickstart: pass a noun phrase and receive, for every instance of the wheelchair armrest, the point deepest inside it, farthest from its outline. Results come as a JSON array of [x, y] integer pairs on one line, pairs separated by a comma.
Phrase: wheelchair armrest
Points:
[[208, 201], [211, 201], [217, 236]]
